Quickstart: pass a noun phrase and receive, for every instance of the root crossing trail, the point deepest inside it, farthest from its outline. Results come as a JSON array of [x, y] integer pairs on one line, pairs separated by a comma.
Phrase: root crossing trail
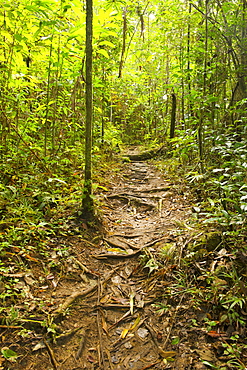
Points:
[[110, 309], [143, 208]]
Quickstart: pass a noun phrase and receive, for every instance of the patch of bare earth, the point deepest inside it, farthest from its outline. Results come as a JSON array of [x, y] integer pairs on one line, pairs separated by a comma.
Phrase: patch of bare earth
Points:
[[106, 306]]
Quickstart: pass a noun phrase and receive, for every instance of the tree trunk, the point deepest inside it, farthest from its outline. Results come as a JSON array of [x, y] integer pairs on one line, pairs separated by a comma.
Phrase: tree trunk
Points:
[[173, 116], [87, 202], [124, 42]]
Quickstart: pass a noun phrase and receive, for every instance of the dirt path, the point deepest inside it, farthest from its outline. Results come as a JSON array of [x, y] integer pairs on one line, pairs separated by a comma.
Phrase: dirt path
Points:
[[108, 307]]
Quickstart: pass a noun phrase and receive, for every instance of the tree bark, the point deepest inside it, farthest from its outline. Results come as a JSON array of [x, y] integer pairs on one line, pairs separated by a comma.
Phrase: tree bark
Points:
[[87, 201]]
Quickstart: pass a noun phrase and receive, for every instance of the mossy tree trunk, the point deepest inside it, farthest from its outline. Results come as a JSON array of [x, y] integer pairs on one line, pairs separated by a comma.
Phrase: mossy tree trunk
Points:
[[87, 202]]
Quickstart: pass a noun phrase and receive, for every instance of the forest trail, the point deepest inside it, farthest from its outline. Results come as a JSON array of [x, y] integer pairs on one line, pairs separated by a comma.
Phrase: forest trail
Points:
[[107, 306]]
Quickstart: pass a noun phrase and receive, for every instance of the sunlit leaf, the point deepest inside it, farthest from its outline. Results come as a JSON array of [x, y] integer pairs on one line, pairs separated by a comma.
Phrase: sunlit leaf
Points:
[[103, 52], [124, 333]]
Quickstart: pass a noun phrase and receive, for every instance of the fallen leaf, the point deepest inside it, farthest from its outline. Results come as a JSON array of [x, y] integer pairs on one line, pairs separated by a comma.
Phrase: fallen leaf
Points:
[[38, 346], [214, 334], [206, 355], [124, 333], [135, 323], [167, 354]]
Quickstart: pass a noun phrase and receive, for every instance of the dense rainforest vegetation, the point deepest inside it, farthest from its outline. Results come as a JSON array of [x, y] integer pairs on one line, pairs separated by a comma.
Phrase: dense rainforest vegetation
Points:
[[170, 74]]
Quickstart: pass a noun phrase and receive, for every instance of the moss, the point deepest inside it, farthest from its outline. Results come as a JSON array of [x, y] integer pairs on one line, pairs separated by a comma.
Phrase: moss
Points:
[[208, 241]]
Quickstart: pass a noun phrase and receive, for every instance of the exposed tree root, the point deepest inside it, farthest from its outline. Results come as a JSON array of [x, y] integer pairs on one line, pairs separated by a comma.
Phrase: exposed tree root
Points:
[[62, 308], [147, 154]]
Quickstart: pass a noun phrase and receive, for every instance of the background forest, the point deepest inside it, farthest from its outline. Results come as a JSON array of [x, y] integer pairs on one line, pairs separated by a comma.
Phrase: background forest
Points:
[[170, 72]]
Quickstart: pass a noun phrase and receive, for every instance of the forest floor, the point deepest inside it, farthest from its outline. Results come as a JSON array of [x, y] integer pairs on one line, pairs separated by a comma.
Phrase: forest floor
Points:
[[114, 297]]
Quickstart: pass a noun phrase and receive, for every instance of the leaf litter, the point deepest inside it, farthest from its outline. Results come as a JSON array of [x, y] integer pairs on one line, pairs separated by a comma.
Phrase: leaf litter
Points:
[[117, 298]]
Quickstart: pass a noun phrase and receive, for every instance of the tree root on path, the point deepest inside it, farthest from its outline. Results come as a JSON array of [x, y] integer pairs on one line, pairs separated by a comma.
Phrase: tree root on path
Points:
[[62, 308], [147, 155], [131, 198], [103, 256]]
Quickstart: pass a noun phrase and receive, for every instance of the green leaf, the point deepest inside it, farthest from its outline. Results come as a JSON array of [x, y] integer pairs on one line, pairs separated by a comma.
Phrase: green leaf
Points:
[[18, 37], [107, 43], [103, 52], [209, 364], [175, 341], [9, 354]]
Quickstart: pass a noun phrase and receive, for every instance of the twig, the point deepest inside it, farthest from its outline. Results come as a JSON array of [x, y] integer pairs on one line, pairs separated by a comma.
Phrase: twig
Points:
[[109, 358], [187, 241], [120, 320], [83, 267], [160, 350], [82, 345], [99, 329], [67, 335], [173, 320], [153, 335], [89, 243], [51, 354]]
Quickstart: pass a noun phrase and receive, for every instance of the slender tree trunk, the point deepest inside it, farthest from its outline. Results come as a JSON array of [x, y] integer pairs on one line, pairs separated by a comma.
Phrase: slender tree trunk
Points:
[[124, 42], [205, 90], [190, 108], [48, 94], [87, 202], [173, 116]]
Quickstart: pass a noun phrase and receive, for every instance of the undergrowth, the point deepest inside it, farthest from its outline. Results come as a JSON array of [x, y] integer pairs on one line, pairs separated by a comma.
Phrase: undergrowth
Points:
[[211, 272], [40, 203]]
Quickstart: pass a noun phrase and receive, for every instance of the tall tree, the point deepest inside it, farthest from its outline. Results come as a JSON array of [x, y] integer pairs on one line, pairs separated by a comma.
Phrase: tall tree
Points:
[[87, 202]]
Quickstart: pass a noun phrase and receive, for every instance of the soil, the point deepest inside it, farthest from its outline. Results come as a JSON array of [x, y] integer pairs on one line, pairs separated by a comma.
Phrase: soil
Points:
[[105, 299]]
